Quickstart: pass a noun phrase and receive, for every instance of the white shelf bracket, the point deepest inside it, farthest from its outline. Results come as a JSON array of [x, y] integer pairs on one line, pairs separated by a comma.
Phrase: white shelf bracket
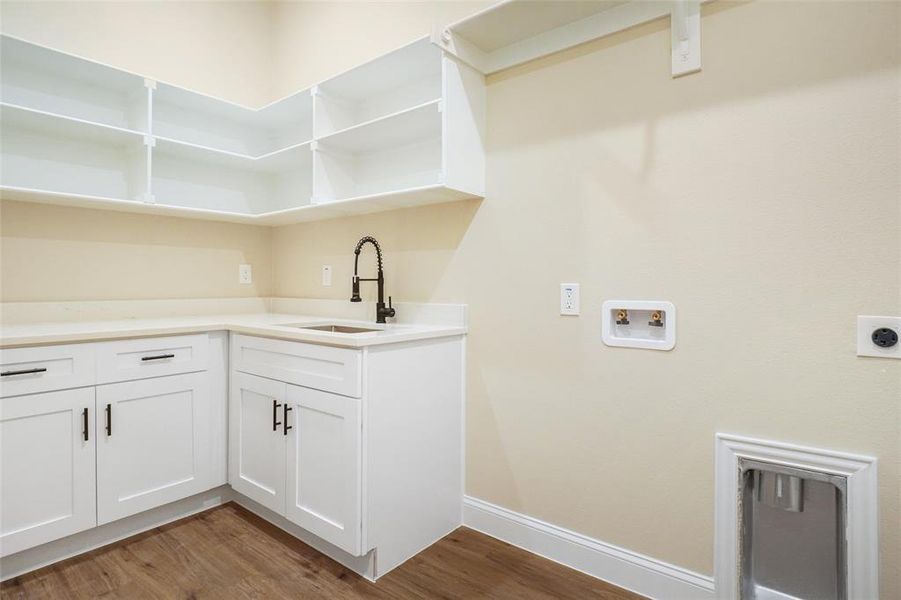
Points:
[[686, 40]]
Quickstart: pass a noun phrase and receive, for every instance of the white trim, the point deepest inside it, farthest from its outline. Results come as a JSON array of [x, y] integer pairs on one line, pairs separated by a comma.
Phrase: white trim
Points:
[[862, 520], [97, 537], [641, 574]]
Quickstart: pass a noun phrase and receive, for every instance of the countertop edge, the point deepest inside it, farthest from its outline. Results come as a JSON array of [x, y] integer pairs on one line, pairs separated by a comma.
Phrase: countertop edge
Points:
[[274, 332]]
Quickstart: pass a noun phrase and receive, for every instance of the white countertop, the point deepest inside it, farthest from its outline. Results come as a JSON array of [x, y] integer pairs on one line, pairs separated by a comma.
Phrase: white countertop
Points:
[[273, 325]]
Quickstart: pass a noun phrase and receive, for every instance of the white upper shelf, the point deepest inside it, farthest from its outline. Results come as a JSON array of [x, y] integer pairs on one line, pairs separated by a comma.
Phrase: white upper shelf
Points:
[[508, 23], [408, 65], [292, 157], [405, 129], [513, 32], [206, 121], [419, 123], [58, 83], [35, 61], [49, 124]]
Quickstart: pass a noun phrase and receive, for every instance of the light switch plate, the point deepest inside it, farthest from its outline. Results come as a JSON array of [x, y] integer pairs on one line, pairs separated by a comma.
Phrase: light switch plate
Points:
[[327, 275], [569, 299], [245, 274], [866, 325]]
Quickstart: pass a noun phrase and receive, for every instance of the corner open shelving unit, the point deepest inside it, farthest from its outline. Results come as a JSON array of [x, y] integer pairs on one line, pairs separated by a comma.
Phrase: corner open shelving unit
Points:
[[405, 129]]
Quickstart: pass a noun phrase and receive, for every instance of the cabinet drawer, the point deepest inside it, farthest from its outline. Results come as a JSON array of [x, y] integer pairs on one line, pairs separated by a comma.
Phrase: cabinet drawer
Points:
[[45, 368], [336, 370], [126, 360]]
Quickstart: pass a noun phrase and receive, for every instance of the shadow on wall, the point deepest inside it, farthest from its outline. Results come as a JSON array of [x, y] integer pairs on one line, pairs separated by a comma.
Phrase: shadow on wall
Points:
[[583, 99], [482, 416], [638, 95], [65, 223], [419, 246], [56, 253]]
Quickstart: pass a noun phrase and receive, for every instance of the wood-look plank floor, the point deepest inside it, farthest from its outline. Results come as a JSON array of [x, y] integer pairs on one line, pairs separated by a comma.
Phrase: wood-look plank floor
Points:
[[228, 552]]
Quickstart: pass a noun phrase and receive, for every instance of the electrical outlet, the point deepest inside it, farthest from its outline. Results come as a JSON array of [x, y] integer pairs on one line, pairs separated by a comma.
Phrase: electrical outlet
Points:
[[245, 274], [327, 275], [569, 298], [878, 336]]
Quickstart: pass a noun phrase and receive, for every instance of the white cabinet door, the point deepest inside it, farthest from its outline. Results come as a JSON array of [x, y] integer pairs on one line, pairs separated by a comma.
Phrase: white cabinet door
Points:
[[256, 439], [47, 480], [153, 443], [324, 477]]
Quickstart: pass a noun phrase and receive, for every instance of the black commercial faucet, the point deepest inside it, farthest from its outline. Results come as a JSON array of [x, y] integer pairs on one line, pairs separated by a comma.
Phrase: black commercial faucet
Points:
[[381, 311]]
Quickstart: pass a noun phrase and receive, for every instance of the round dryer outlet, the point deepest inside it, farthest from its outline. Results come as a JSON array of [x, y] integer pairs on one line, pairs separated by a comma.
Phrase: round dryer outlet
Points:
[[885, 337]]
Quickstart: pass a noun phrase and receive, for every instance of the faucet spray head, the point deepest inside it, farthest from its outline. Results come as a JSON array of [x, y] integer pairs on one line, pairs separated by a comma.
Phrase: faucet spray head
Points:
[[355, 295]]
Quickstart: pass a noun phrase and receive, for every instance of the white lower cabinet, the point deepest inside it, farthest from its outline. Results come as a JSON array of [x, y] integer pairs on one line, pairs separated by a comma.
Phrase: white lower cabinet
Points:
[[153, 443], [323, 467], [359, 447], [297, 451], [256, 456], [48, 470], [141, 423]]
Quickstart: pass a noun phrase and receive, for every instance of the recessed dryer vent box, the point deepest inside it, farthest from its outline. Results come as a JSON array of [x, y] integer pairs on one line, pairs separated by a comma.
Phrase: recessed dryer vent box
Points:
[[646, 324]]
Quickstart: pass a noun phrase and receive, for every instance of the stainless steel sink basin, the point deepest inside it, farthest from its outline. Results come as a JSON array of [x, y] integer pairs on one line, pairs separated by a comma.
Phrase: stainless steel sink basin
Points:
[[336, 328]]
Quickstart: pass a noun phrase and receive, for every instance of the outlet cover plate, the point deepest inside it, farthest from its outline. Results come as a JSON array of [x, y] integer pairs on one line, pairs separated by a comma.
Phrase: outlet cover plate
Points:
[[865, 327], [245, 274], [327, 275], [569, 299]]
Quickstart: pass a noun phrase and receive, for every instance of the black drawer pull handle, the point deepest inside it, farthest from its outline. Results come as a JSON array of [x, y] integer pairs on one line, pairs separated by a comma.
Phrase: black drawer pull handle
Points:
[[158, 357], [24, 372], [285, 419], [275, 421], [84, 421], [109, 420]]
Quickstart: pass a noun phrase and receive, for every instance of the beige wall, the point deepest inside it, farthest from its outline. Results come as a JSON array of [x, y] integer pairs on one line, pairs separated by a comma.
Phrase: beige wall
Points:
[[761, 196], [341, 35], [219, 48], [54, 253], [51, 253]]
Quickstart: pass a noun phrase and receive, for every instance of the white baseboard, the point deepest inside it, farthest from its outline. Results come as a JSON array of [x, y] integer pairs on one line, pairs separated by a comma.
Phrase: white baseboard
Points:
[[97, 537], [630, 570], [641, 574]]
